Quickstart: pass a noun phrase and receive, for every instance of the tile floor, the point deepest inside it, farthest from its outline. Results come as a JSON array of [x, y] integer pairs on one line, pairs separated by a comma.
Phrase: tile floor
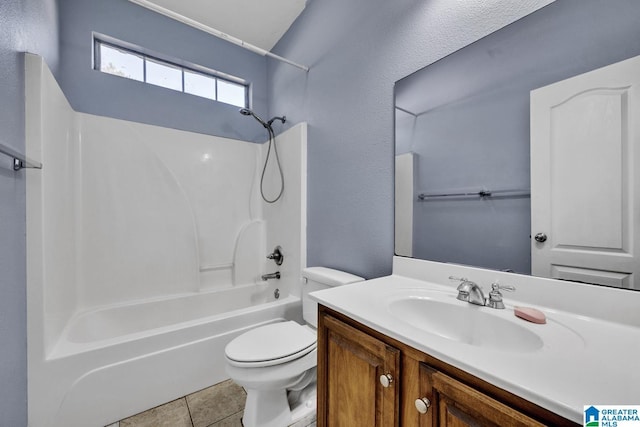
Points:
[[220, 405]]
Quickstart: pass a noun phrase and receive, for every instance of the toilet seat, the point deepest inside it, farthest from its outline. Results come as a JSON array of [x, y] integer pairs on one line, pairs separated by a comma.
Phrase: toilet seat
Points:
[[271, 345]]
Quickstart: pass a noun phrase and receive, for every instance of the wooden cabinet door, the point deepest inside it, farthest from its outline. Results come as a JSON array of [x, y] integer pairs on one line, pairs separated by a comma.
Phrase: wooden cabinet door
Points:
[[454, 404], [350, 364]]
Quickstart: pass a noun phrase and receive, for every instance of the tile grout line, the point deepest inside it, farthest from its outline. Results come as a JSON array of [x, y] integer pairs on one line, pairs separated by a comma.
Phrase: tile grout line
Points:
[[186, 401], [225, 418]]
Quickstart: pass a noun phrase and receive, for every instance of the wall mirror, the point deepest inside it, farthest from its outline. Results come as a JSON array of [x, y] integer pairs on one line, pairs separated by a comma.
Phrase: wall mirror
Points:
[[516, 153]]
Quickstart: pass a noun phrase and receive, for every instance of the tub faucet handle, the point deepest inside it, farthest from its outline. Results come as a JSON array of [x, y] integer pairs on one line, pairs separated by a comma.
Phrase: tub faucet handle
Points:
[[276, 255]]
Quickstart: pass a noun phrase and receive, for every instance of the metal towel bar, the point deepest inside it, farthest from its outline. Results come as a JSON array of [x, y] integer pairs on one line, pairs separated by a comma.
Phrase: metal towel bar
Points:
[[482, 194], [20, 161]]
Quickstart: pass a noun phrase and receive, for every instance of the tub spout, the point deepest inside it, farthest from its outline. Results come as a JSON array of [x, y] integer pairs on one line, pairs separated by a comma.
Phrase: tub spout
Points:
[[275, 275]]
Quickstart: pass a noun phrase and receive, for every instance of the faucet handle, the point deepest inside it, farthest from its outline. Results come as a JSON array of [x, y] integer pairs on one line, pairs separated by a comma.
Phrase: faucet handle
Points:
[[498, 287], [458, 279], [495, 297], [276, 255]]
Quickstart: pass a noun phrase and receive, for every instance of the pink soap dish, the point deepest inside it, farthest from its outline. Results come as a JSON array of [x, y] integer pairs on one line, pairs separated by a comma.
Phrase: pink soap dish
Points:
[[530, 314]]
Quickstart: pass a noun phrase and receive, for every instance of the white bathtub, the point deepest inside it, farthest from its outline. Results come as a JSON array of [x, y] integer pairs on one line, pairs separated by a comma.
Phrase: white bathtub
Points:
[[114, 362]]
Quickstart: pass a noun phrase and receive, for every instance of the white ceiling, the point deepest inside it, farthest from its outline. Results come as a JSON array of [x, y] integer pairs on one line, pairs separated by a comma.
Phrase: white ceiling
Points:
[[258, 22]]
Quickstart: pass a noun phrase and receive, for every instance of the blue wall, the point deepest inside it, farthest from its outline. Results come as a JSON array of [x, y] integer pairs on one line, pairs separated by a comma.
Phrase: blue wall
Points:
[[29, 25], [357, 50], [102, 94]]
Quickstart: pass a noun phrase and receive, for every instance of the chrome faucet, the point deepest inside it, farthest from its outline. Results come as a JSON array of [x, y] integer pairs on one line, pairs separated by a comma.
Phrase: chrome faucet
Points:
[[472, 293], [268, 276], [469, 291]]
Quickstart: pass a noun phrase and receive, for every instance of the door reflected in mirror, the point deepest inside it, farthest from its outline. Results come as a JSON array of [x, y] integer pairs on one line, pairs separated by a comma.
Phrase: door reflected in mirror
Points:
[[479, 159]]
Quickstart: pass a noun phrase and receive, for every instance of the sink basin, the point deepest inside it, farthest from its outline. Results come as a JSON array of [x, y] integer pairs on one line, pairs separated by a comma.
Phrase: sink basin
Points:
[[465, 323]]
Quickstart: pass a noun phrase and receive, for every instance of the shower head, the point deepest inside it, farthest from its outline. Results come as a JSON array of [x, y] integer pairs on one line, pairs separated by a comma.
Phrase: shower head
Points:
[[247, 112]]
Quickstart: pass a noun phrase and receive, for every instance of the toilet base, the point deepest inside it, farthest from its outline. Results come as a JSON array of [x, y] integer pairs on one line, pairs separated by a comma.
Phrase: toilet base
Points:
[[266, 408], [279, 408], [305, 406]]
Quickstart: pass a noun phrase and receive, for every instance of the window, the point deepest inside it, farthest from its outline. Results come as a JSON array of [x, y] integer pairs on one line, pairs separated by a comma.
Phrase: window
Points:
[[165, 75], [122, 61], [231, 93], [201, 85]]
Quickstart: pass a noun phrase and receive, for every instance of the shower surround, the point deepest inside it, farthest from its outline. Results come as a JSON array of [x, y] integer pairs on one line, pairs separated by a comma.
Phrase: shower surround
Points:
[[145, 247]]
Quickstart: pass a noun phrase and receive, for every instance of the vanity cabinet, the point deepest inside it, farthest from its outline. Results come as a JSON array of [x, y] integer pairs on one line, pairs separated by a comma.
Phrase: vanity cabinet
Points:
[[366, 379], [353, 366]]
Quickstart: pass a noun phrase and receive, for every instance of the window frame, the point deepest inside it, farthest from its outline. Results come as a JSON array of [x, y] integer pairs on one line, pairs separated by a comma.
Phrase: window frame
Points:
[[99, 40]]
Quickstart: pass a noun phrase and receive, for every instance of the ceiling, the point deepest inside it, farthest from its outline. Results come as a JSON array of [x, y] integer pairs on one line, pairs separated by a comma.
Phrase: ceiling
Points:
[[258, 22]]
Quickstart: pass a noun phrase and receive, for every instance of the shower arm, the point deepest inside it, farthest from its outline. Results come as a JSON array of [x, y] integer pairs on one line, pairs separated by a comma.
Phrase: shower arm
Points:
[[283, 119]]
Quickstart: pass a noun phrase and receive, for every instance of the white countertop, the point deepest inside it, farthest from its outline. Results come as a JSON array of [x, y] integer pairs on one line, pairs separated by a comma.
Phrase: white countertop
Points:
[[583, 360]]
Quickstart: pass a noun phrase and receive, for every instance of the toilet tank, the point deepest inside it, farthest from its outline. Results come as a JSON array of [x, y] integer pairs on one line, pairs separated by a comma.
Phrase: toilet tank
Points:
[[318, 278]]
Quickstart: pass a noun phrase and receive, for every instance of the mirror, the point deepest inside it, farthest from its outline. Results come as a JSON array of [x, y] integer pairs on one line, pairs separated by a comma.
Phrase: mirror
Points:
[[462, 136]]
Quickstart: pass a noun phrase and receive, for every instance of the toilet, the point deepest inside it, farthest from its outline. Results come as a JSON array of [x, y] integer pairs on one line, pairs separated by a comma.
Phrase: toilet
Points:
[[276, 363]]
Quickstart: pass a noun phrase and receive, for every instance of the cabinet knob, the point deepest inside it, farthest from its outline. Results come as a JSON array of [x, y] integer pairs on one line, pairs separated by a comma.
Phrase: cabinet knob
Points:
[[386, 380], [422, 405]]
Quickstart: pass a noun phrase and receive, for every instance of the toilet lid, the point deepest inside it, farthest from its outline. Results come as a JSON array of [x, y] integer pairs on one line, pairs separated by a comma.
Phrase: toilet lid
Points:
[[271, 344]]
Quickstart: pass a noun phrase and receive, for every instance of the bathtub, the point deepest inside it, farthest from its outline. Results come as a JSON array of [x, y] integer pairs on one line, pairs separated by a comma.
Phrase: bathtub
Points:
[[113, 362]]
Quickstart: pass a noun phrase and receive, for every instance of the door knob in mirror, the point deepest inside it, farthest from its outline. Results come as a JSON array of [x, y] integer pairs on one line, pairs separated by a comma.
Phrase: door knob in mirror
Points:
[[540, 237]]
